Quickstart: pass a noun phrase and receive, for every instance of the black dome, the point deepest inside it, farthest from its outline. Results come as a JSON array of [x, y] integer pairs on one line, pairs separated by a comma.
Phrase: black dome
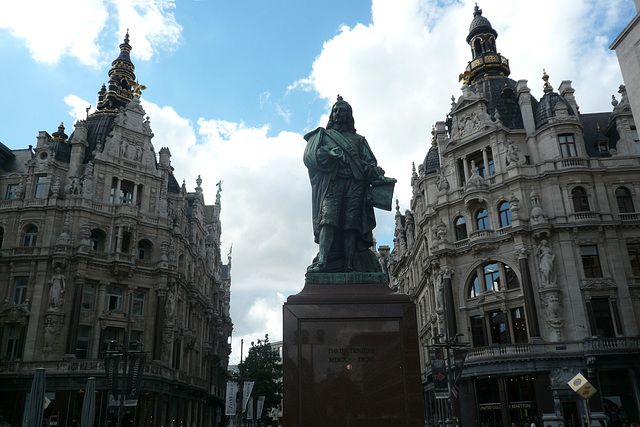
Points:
[[546, 107], [432, 161]]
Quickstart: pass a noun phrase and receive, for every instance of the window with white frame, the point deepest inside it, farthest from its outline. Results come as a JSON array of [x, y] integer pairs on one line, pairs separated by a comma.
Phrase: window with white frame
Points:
[[115, 297]]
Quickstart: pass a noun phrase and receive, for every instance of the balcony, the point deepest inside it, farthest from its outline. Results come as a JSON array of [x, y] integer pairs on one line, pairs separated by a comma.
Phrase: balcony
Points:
[[571, 162], [481, 234], [629, 216], [584, 216], [592, 346], [502, 351]]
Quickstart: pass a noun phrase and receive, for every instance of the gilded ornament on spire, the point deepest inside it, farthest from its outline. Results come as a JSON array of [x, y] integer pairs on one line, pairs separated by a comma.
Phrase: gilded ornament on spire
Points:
[[547, 86]]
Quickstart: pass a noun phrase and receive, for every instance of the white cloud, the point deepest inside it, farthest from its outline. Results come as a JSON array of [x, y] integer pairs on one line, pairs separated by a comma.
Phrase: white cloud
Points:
[[78, 107], [75, 28], [400, 71], [266, 208], [264, 316]]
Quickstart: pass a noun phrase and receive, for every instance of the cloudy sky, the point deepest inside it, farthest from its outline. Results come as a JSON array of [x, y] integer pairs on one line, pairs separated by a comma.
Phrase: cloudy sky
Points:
[[234, 85]]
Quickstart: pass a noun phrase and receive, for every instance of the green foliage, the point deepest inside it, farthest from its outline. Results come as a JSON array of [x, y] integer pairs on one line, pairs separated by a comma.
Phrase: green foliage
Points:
[[263, 365]]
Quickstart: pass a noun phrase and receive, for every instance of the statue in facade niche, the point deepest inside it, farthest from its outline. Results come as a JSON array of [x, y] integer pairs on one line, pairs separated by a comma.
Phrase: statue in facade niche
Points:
[[475, 180], [346, 184], [57, 286], [441, 181], [546, 256], [514, 156]]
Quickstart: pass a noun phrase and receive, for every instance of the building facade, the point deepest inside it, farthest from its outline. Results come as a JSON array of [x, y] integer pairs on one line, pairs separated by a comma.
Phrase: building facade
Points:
[[101, 252], [627, 48], [522, 242]]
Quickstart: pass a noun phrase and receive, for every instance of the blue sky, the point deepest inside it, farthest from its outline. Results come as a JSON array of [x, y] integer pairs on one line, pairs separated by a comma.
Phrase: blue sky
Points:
[[234, 84]]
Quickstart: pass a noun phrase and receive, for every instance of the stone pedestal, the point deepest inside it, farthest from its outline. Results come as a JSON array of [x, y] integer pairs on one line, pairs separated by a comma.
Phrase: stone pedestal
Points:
[[350, 356]]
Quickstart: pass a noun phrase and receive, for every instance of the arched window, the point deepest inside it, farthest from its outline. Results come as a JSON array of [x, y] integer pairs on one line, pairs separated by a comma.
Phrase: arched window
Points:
[[492, 276], [30, 236], [144, 250], [477, 47], [580, 199], [474, 286], [505, 214], [461, 228], [482, 219], [97, 240], [625, 202]]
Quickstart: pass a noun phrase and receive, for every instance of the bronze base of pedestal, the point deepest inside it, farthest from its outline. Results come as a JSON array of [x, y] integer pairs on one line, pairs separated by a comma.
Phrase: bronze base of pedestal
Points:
[[350, 358]]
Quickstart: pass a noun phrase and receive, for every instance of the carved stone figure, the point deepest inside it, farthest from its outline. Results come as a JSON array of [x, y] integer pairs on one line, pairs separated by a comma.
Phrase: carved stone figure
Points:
[[345, 180], [475, 180], [514, 206], [553, 314], [441, 181], [55, 188], [50, 333], [439, 290], [537, 213], [171, 305], [514, 156], [442, 230], [57, 288], [546, 256]]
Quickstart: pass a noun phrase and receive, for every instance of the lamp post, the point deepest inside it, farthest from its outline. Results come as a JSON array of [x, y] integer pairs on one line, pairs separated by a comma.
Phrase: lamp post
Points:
[[133, 360], [447, 361]]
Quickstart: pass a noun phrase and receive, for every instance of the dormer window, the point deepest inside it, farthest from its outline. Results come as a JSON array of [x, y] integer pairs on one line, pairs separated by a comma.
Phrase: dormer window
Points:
[[40, 187]]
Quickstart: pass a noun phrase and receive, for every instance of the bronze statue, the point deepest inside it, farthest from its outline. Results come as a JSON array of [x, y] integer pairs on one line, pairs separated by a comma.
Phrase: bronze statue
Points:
[[346, 184]]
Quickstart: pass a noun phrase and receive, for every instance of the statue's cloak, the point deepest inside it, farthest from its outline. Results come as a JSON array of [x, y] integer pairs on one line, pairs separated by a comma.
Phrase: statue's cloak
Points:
[[362, 163]]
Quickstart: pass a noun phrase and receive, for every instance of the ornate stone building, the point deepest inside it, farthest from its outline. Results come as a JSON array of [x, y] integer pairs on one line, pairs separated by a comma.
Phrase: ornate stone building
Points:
[[523, 241], [100, 246]]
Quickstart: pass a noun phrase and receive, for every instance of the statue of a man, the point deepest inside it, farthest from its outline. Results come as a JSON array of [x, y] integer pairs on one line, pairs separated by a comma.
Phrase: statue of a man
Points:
[[342, 170]]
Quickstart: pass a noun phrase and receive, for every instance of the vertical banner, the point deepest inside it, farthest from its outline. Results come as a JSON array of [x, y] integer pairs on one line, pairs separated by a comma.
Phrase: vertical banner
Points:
[[250, 409], [439, 372], [134, 378], [111, 368], [230, 398], [260, 406], [246, 392], [459, 356]]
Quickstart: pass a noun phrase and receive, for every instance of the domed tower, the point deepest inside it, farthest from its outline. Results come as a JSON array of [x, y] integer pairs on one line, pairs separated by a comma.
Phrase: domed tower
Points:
[[119, 91], [486, 60], [112, 98], [488, 72]]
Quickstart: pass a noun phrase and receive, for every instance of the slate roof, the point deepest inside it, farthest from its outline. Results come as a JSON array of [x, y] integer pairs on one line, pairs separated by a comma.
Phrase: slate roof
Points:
[[501, 93], [432, 160], [544, 109], [591, 122]]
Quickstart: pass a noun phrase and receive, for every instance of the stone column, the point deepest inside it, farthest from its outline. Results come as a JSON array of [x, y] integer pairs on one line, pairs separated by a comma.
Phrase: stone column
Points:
[[76, 305], [161, 302], [134, 198], [449, 304], [485, 159], [527, 289], [466, 168]]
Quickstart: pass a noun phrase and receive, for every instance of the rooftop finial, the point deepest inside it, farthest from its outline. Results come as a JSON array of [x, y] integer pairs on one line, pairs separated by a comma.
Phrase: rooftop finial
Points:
[[547, 86], [476, 10], [126, 37]]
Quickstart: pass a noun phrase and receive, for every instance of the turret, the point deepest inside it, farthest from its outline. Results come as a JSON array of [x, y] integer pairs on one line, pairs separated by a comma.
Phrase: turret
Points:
[[486, 61]]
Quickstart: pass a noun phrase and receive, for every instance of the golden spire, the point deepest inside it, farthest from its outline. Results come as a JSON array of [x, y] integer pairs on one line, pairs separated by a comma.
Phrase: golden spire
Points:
[[547, 86]]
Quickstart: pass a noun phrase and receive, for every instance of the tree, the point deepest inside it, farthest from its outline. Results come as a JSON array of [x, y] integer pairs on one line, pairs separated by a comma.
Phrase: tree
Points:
[[264, 366]]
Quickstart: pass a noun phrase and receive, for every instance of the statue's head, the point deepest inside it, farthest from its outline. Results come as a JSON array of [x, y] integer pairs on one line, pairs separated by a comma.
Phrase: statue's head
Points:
[[341, 117]]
